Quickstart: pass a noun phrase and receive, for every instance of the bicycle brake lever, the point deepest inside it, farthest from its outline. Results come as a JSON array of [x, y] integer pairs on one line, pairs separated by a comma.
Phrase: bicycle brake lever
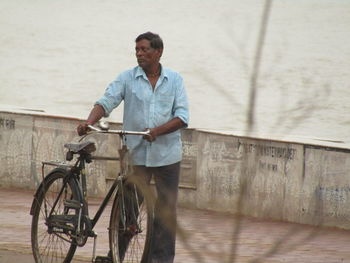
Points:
[[93, 128], [148, 132]]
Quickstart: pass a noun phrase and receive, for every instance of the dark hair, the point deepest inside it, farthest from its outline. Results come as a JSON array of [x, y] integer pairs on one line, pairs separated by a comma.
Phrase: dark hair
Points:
[[155, 41]]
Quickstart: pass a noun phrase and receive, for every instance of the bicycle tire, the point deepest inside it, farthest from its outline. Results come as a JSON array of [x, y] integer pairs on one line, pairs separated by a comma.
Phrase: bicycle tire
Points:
[[48, 245], [138, 235]]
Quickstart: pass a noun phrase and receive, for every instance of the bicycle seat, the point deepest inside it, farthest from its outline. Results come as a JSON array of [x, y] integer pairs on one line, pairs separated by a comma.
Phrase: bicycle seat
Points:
[[87, 146]]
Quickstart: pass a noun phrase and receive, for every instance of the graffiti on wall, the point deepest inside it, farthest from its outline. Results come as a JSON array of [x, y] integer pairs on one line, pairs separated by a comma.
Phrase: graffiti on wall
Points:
[[15, 145], [273, 158], [228, 162], [333, 194], [8, 124], [189, 159]]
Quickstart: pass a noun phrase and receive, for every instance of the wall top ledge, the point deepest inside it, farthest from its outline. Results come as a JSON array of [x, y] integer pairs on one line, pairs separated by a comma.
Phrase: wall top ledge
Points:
[[314, 142], [33, 112]]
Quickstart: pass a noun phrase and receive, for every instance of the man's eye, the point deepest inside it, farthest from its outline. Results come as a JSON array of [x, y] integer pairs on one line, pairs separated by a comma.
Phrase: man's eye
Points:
[[143, 49]]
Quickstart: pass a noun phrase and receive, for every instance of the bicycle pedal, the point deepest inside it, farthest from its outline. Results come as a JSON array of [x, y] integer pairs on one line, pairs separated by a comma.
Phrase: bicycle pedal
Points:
[[91, 233], [74, 204], [101, 259]]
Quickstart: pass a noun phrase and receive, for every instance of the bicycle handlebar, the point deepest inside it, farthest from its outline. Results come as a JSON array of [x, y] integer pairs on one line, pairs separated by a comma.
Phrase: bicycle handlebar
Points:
[[120, 132]]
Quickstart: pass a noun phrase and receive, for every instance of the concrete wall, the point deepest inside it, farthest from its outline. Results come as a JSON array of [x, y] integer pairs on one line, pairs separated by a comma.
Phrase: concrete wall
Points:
[[262, 178], [28, 140]]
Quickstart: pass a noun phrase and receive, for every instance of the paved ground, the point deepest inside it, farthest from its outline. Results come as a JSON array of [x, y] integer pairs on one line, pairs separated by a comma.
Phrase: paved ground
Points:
[[207, 237]]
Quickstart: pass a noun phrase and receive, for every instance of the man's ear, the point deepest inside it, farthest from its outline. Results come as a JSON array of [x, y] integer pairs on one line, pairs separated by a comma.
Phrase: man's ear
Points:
[[160, 52]]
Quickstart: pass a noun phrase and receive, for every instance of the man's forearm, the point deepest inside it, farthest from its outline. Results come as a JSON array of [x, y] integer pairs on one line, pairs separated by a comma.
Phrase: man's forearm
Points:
[[95, 115], [168, 127]]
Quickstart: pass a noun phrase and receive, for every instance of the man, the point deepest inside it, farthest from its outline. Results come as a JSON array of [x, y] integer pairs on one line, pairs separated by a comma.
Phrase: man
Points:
[[155, 99]]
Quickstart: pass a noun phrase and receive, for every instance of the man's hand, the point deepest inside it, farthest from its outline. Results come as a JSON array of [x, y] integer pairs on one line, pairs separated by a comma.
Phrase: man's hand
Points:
[[152, 134], [82, 129], [95, 115], [166, 128]]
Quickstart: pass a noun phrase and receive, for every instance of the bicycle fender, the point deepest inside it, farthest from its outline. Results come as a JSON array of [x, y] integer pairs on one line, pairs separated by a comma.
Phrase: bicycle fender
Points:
[[41, 186]]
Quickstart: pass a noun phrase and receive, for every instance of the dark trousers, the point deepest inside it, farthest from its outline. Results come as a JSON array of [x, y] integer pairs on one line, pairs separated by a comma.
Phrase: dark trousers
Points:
[[166, 180]]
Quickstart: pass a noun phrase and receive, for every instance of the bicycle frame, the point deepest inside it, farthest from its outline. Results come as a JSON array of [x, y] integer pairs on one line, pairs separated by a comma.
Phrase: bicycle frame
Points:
[[67, 216], [119, 180], [77, 171]]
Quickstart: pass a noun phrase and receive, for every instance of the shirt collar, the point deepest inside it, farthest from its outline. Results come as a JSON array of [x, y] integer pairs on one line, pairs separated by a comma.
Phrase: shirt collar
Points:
[[141, 72]]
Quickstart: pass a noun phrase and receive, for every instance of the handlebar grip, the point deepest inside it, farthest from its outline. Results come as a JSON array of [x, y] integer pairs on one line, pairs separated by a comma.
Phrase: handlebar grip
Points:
[[120, 132], [94, 128]]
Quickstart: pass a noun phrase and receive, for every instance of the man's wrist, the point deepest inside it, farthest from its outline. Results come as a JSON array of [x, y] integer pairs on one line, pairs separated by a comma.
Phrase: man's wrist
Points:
[[88, 122], [154, 132]]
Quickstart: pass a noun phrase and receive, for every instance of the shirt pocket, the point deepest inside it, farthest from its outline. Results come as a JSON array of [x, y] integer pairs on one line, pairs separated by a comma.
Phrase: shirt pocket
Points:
[[165, 105], [164, 112]]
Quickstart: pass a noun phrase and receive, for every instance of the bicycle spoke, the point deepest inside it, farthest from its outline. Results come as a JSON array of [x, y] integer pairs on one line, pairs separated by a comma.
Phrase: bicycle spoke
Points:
[[136, 235], [51, 229]]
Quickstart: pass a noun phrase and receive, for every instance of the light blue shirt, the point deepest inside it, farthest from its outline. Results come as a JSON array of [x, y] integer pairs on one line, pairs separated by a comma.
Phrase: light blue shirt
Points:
[[148, 108]]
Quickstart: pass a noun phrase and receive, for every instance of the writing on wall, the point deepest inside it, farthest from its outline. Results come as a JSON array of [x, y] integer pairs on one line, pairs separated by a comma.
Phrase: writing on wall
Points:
[[189, 150], [189, 159], [221, 150], [268, 166], [8, 124], [268, 150], [334, 194]]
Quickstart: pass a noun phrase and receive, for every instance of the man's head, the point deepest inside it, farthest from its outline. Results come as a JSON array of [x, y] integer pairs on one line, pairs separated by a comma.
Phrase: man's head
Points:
[[155, 41], [149, 49]]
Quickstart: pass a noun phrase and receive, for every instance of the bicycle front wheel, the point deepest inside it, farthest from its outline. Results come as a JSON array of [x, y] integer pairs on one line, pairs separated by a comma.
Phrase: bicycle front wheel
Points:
[[131, 225], [53, 226]]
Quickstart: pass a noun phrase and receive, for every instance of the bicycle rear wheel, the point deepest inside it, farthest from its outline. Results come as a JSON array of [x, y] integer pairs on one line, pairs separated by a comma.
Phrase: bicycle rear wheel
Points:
[[131, 225], [53, 223]]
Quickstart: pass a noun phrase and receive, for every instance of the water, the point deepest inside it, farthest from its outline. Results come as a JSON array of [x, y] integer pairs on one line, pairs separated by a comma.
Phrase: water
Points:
[[59, 56]]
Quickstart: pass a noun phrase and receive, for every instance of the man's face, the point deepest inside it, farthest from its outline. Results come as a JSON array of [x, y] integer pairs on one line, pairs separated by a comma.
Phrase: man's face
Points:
[[146, 55]]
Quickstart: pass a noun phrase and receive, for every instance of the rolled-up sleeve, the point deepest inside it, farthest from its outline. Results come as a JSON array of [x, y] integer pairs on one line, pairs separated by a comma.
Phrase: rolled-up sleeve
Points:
[[181, 109], [113, 96]]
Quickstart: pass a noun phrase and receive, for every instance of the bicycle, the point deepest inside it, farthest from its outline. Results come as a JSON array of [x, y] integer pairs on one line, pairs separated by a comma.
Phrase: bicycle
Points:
[[60, 211]]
